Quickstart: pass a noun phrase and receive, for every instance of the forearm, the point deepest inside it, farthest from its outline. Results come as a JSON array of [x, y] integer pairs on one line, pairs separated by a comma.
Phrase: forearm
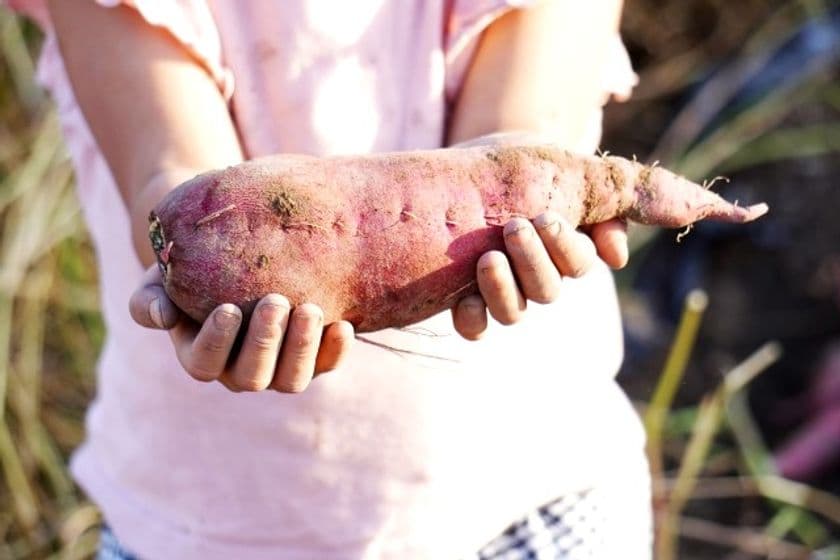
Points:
[[155, 112], [539, 70]]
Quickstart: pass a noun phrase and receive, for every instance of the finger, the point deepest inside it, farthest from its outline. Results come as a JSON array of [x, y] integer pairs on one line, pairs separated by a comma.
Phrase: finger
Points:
[[572, 252], [204, 352], [469, 316], [300, 349], [611, 242], [335, 345], [498, 288], [537, 275], [149, 305], [257, 359]]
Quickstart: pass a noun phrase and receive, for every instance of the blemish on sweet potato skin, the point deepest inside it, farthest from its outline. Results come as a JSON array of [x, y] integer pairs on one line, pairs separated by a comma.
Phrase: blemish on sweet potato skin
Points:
[[283, 205], [387, 240]]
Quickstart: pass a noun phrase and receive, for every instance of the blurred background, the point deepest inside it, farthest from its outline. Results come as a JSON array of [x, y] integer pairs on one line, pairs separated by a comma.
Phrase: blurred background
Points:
[[732, 333]]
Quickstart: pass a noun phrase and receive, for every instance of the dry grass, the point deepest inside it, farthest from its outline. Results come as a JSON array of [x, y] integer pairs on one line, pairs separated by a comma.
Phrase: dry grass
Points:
[[50, 330]]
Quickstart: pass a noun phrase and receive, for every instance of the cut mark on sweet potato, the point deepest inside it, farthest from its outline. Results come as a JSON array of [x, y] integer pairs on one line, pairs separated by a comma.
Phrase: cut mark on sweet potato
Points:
[[499, 220], [339, 224], [213, 215], [305, 226], [449, 219]]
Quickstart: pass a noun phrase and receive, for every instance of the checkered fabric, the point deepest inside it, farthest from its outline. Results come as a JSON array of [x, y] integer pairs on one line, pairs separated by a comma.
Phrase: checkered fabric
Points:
[[567, 528], [576, 526]]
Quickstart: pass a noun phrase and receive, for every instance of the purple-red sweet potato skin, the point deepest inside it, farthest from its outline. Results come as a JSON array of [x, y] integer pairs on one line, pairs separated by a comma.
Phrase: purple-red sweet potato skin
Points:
[[382, 240]]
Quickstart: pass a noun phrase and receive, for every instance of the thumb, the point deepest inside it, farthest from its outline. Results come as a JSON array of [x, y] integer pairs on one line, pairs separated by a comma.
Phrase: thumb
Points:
[[149, 305]]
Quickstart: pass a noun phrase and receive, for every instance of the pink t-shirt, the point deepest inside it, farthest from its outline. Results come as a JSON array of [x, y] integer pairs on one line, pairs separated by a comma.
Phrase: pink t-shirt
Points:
[[396, 455]]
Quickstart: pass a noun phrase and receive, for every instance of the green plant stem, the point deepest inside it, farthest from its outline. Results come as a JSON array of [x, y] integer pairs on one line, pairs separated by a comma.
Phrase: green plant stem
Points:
[[709, 419], [672, 373], [759, 463], [705, 429], [742, 374]]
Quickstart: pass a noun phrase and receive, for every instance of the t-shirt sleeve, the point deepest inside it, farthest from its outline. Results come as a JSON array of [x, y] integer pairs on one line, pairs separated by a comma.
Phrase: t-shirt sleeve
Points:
[[466, 20], [190, 22]]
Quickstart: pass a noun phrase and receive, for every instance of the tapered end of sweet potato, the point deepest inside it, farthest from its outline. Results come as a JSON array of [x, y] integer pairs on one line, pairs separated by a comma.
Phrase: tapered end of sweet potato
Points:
[[666, 199], [727, 212]]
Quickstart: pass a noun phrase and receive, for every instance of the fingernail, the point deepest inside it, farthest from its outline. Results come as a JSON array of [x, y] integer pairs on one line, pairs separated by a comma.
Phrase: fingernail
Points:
[[277, 312], [156, 313], [474, 306], [521, 231], [308, 312], [269, 311], [225, 320], [544, 221], [319, 319]]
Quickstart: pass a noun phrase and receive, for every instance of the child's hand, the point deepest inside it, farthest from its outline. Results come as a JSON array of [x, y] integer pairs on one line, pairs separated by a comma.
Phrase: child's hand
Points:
[[282, 349], [537, 256]]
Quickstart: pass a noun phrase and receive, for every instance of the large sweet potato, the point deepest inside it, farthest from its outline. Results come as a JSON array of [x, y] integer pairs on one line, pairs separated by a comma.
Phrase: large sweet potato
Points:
[[387, 240]]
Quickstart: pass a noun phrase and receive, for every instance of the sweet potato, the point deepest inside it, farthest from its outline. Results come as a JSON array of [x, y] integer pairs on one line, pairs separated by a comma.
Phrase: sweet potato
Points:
[[387, 240]]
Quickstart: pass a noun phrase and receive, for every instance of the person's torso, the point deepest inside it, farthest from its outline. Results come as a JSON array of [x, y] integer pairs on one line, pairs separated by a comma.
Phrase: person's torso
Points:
[[423, 441]]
